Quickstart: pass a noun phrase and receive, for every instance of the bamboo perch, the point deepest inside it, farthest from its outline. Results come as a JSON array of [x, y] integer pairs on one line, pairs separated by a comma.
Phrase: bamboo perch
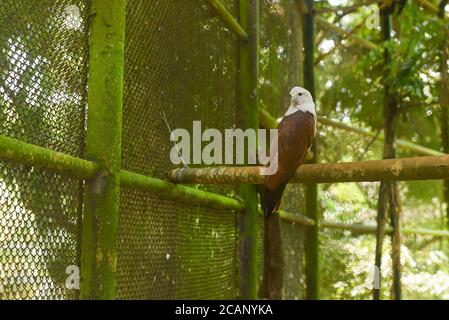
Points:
[[228, 19], [268, 122], [31, 155], [405, 169]]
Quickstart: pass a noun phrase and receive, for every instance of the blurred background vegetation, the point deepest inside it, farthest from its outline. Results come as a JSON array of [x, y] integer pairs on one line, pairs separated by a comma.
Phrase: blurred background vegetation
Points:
[[350, 88]]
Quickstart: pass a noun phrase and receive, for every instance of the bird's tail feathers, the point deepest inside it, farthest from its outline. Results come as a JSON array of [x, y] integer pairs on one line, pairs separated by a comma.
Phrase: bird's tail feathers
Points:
[[273, 199]]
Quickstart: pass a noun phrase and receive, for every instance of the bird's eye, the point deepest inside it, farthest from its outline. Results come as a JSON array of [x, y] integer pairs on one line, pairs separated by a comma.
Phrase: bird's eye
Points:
[[300, 94]]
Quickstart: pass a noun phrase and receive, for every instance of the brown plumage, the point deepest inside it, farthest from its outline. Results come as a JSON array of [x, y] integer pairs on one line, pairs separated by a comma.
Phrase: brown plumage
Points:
[[295, 136]]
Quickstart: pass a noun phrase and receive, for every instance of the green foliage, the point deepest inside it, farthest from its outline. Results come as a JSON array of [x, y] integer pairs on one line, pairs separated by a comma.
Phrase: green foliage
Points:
[[351, 85]]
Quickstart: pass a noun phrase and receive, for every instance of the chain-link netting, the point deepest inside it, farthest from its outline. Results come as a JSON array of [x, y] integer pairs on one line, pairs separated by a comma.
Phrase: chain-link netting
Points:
[[281, 58], [180, 67], [43, 67]]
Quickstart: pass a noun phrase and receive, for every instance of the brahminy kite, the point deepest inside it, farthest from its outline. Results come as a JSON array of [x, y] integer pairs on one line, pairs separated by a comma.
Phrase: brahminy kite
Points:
[[296, 132]]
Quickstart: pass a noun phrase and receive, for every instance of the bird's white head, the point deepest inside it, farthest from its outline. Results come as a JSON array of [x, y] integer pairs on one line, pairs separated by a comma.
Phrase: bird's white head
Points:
[[301, 99]]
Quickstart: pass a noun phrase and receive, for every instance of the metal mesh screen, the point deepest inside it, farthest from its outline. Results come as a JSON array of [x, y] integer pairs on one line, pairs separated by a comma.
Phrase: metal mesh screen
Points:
[[43, 67], [281, 57], [180, 65]]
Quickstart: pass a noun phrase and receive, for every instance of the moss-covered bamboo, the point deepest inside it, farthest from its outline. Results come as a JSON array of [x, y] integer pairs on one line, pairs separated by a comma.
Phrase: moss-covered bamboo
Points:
[[31, 155], [34, 156], [371, 229], [228, 19], [296, 218], [400, 143], [105, 99], [269, 122], [179, 192], [311, 192], [402, 169], [247, 117]]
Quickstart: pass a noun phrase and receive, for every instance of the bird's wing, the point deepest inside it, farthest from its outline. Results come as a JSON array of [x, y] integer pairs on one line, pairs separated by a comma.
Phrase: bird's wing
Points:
[[295, 136]]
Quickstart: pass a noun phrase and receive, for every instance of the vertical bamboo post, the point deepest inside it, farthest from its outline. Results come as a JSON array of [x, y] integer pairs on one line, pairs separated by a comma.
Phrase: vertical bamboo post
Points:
[[311, 242], [248, 117], [105, 98]]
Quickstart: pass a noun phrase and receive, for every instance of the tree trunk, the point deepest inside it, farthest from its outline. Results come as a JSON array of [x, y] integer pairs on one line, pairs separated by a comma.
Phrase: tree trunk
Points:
[[444, 102], [388, 192]]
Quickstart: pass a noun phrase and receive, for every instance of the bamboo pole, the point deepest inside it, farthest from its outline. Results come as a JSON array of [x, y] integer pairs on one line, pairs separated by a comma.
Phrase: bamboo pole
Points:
[[23, 153], [347, 9], [267, 121], [296, 218], [179, 192], [105, 99], [432, 8], [363, 42], [400, 143], [34, 156], [403, 169], [428, 6], [26, 154], [357, 228], [247, 115], [228, 19]]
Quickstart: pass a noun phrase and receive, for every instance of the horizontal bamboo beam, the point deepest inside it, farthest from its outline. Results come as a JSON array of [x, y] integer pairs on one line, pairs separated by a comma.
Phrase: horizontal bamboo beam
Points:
[[358, 228], [179, 192], [371, 229], [34, 156], [430, 7], [268, 122], [42, 158], [347, 9], [296, 218], [31, 155], [403, 144], [405, 169], [228, 19]]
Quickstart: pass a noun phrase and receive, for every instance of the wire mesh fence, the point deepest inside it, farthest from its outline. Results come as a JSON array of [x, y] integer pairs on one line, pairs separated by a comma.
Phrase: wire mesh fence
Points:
[[43, 69], [168, 249], [181, 64]]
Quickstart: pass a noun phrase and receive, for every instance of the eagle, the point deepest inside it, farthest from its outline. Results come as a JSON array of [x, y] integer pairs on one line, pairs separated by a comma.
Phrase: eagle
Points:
[[296, 133]]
